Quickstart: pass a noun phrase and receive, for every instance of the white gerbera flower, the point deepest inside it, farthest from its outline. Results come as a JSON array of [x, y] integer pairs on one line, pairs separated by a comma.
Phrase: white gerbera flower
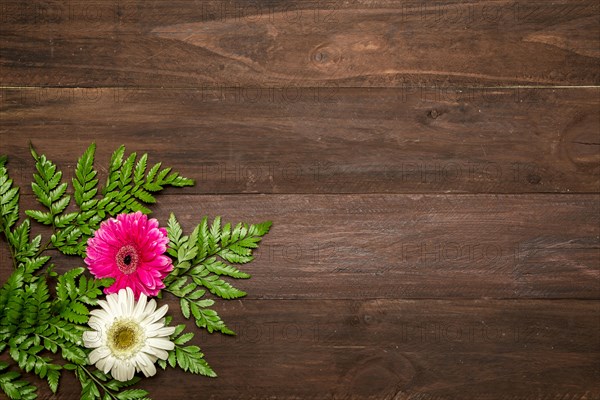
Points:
[[128, 336]]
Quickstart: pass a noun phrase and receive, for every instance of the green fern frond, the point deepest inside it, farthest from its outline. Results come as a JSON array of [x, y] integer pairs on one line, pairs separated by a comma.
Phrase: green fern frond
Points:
[[14, 388], [128, 189], [188, 358], [49, 190], [85, 182], [200, 261], [9, 200], [37, 322]]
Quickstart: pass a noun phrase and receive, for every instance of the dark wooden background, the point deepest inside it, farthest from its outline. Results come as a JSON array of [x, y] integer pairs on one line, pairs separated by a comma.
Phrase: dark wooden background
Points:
[[432, 170]]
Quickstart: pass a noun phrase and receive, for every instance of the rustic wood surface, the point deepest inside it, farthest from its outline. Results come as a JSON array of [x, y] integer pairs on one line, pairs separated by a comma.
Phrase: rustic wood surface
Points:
[[432, 170], [344, 141], [382, 43]]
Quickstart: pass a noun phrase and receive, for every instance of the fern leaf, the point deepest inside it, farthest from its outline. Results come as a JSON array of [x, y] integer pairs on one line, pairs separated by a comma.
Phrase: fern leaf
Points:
[[9, 201], [188, 358], [219, 287], [220, 268], [48, 188], [209, 319], [14, 388], [85, 182]]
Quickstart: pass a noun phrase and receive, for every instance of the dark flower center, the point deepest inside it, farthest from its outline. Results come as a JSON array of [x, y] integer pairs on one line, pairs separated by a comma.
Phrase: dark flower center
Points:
[[127, 259]]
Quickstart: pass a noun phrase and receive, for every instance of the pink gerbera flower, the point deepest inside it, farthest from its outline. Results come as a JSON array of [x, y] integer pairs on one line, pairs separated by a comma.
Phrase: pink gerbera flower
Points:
[[130, 249]]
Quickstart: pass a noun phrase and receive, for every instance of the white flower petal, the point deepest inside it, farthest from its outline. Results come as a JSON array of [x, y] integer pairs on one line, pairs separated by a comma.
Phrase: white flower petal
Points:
[[141, 321], [165, 331], [138, 311], [99, 353], [156, 353], [152, 329], [100, 313], [164, 344], [130, 371], [149, 369], [92, 339], [109, 363], [144, 369], [140, 362], [113, 305], [100, 364], [105, 306], [118, 371], [98, 324], [160, 313], [128, 302], [150, 307], [123, 371], [121, 301]]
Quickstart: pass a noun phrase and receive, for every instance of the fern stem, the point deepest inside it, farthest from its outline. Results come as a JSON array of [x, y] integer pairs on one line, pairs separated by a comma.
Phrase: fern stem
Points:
[[46, 247], [166, 289], [12, 253], [106, 391], [10, 248], [58, 345]]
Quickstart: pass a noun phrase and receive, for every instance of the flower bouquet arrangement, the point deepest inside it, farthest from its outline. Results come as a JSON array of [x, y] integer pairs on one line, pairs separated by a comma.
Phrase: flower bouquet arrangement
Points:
[[101, 319]]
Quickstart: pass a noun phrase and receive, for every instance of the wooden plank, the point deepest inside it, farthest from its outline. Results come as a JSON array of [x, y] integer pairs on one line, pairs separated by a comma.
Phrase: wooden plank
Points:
[[410, 246], [311, 141], [394, 350], [390, 246], [304, 43]]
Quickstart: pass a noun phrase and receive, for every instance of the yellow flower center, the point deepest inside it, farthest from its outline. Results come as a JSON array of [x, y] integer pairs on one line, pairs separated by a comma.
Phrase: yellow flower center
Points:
[[125, 338]]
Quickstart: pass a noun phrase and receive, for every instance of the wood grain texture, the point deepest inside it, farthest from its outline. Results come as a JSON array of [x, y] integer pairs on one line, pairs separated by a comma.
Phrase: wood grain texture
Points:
[[394, 350], [432, 170], [391, 297], [312, 141], [318, 43], [410, 246]]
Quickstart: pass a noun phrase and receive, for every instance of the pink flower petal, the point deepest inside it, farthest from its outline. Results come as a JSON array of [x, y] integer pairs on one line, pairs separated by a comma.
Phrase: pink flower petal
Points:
[[130, 248]]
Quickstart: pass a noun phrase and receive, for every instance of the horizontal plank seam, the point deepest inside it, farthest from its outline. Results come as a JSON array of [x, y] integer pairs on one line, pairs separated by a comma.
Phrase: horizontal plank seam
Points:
[[596, 194], [141, 87], [413, 299]]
